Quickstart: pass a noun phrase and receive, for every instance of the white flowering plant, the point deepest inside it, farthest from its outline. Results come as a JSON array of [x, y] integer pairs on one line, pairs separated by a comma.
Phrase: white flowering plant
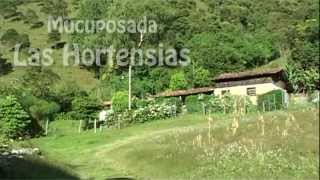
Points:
[[153, 111]]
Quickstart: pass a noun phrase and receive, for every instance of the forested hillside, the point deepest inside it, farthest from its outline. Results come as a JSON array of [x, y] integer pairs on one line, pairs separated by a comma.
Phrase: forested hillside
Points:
[[223, 36]]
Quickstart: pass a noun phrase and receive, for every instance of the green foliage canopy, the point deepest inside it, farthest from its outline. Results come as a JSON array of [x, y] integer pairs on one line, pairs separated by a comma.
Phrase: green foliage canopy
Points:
[[120, 101], [178, 81], [13, 119], [85, 108]]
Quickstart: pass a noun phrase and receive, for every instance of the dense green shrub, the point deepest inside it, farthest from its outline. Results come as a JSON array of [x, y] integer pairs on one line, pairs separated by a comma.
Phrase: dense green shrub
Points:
[[215, 105], [65, 93], [303, 80], [178, 81], [40, 81], [160, 79], [13, 119], [85, 108], [120, 101], [201, 77], [43, 110], [274, 100]]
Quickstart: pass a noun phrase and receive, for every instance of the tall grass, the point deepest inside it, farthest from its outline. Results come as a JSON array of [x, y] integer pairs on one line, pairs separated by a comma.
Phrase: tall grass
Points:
[[274, 145], [269, 146]]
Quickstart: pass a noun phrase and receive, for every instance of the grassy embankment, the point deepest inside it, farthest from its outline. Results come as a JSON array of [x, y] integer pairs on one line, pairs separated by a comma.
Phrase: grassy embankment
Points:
[[184, 148]]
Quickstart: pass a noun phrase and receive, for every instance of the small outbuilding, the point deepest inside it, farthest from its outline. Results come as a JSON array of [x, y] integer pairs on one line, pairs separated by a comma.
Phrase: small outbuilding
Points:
[[248, 83], [251, 83]]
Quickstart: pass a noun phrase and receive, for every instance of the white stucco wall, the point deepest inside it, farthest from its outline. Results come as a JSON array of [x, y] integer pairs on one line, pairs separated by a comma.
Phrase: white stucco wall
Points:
[[242, 90]]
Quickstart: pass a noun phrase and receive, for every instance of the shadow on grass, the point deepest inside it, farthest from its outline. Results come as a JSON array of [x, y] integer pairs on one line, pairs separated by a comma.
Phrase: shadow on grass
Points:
[[124, 178], [30, 168]]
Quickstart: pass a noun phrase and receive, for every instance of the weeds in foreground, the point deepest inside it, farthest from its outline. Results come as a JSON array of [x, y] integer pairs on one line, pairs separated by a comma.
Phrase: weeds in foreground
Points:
[[244, 150]]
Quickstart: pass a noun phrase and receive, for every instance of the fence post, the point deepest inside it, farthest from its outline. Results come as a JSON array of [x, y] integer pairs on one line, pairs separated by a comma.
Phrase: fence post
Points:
[[118, 123], [283, 100], [245, 105], [264, 106], [203, 109], [274, 102], [95, 125], [80, 125], [47, 126]]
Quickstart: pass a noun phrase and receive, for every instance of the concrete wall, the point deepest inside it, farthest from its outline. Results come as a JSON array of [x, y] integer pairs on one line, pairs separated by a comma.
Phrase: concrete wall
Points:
[[242, 90]]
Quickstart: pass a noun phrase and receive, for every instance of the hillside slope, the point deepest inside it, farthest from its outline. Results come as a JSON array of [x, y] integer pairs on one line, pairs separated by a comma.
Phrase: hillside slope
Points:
[[39, 39]]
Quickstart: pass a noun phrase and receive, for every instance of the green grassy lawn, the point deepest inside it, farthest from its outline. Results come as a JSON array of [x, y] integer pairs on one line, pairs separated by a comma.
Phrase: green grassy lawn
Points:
[[79, 151], [183, 148]]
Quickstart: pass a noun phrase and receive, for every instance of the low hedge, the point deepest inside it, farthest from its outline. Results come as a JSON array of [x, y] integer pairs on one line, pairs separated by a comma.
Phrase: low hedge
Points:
[[120, 101], [149, 113], [176, 101]]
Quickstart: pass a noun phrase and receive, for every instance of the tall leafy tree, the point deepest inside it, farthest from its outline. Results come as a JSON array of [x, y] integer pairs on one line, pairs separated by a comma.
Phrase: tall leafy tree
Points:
[[13, 119], [178, 81], [303, 81]]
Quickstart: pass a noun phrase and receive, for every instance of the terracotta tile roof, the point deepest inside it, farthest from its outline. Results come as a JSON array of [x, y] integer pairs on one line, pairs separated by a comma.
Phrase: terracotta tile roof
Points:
[[249, 74], [186, 92]]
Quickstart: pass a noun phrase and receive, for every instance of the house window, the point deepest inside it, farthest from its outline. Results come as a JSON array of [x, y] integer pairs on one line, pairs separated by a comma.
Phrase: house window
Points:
[[252, 91], [224, 92]]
